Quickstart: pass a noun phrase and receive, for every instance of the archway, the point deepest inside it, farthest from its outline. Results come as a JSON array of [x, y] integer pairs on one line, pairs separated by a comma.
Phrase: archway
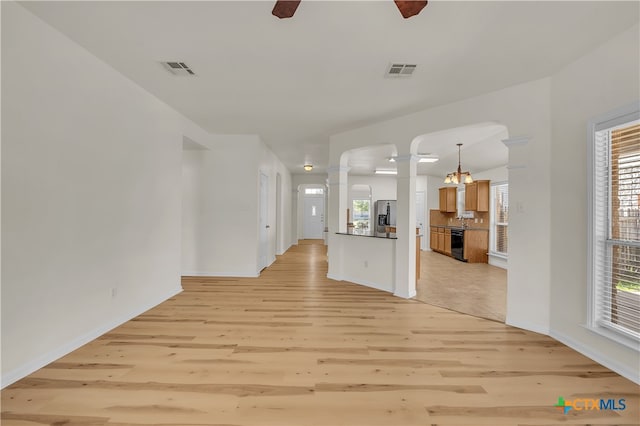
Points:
[[476, 286]]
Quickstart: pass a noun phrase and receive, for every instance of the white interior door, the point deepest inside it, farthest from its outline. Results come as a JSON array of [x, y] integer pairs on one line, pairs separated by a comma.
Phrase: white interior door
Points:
[[264, 222], [313, 217], [420, 217]]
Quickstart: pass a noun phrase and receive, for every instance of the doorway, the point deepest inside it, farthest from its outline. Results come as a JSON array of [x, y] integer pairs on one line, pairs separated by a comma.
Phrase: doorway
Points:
[[313, 217], [263, 255]]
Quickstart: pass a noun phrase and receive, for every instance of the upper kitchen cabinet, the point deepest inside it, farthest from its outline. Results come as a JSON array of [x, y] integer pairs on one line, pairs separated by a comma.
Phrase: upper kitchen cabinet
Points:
[[476, 196], [448, 196]]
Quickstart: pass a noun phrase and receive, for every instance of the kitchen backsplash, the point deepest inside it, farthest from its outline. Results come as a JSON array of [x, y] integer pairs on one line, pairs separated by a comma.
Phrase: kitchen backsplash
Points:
[[438, 218]]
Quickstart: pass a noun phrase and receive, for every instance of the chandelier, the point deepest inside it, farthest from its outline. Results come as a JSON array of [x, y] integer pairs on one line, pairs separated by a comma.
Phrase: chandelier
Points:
[[458, 176]]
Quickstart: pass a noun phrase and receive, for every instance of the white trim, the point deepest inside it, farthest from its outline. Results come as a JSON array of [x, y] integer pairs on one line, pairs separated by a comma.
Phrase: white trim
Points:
[[630, 112], [364, 283], [412, 293], [36, 364], [597, 356], [498, 261], [525, 325], [370, 284], [219, 274], [334, 277]]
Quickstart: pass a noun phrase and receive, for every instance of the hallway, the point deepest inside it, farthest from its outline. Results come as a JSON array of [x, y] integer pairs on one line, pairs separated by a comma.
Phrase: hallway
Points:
[[295, 348]]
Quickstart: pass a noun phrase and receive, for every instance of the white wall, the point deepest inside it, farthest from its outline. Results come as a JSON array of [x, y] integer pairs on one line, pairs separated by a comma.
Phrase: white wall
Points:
[[382, 187], [91, 195], [222, 184], [603, 80], [226, 231], [499, 174]]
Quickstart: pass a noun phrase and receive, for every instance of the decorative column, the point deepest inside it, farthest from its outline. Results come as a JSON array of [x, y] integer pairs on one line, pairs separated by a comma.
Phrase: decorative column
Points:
[[337, 217], [405, 283]]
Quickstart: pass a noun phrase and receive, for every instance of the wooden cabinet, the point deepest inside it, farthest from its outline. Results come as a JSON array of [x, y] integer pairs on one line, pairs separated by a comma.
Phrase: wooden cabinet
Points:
[[476, 196], [433, 238], [471, 196], [441, 239], [476, 245], [438, 239], [447, 241], [448, 196]]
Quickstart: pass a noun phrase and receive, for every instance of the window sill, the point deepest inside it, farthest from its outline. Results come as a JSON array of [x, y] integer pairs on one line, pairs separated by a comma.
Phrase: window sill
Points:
[[614, 336], [499, 255]]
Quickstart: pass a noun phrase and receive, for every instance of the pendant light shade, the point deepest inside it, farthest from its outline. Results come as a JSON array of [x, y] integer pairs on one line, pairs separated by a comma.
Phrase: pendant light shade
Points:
[[458, 176]]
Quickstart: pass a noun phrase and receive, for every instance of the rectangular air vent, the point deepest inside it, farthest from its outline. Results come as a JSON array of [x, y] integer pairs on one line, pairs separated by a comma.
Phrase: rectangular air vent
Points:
[[400, 70], [178, 68]]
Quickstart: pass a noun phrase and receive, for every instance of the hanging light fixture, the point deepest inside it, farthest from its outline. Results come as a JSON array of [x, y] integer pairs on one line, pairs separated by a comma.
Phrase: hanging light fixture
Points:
[[458, 176]]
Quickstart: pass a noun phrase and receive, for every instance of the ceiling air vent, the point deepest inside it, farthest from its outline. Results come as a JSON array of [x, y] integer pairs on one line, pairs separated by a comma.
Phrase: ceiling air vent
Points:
[[178, 68], [400, 70]]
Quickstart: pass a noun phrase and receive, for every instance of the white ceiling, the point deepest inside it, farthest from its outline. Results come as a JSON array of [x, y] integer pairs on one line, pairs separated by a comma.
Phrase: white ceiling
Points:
[[296, 81]]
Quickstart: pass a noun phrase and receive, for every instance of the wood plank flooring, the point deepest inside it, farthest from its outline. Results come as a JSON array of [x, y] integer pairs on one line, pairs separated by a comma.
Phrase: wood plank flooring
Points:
[[294, 348], [476, 289]]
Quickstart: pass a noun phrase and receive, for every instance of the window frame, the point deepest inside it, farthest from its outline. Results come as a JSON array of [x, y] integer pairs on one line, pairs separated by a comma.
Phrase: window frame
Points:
[[353, 214], [594, 323], [493, 224]]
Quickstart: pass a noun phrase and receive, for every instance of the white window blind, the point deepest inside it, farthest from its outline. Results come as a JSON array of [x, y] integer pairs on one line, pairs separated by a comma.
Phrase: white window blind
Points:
[[499, 218], [616, 227]]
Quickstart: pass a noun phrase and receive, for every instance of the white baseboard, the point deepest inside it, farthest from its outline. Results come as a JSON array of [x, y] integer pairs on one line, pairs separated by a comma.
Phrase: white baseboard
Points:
[[597, 356], [36, 364], [371, 284], [334, 277], [537, 328], [406, 296], [219, 274]]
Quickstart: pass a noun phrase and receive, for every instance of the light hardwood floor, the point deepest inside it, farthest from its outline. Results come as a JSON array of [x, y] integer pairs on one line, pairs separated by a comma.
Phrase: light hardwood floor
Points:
[[294, 348], [476, 289]]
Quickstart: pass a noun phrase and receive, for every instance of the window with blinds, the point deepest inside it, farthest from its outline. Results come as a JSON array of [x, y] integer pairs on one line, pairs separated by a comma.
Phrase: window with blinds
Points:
[[615, 226], [499, 218]]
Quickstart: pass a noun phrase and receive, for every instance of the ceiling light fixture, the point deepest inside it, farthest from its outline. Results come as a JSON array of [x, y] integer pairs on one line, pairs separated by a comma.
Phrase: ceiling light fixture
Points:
[[458, 176], [386, 172], [308, 167], [427, 158]]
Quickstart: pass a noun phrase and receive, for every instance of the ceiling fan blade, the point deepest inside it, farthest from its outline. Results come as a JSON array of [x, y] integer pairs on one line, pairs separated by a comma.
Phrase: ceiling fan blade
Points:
[[285, 8], [410, 8]]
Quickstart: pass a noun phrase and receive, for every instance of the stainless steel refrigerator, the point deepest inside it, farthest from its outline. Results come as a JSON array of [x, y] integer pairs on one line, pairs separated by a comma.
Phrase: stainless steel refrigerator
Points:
[[385, 214]]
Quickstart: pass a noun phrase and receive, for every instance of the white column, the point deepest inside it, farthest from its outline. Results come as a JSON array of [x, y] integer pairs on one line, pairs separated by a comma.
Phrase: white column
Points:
[[405, 283], [337, 217]]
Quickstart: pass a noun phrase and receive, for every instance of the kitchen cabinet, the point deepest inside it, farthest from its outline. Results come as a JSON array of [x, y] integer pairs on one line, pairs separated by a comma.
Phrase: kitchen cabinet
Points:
[[441, 239], [476, 196], [476, 245], [438, 239], [448, 199], [447, 241], [433, 238]]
